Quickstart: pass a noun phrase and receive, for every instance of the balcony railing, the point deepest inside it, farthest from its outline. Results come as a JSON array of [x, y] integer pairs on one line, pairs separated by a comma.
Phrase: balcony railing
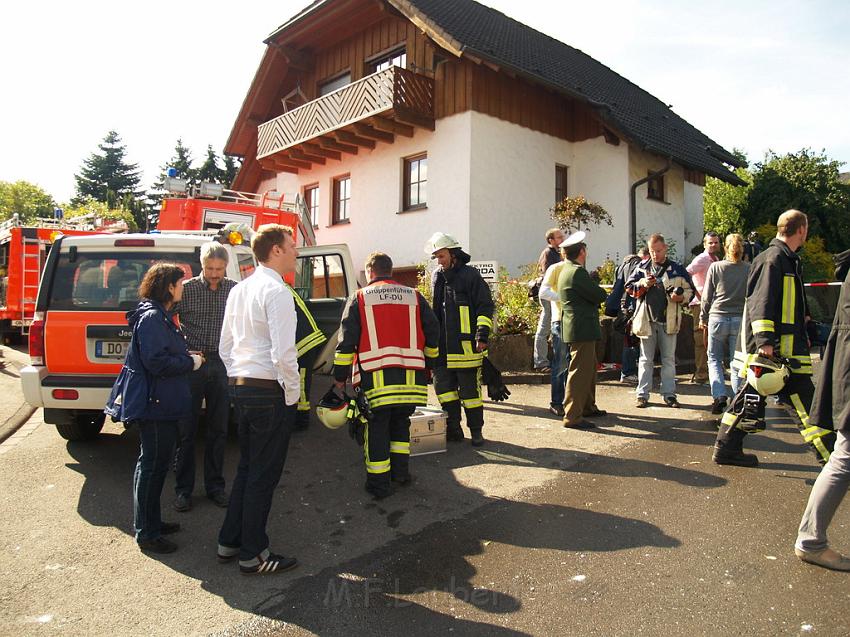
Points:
[[395, 93]]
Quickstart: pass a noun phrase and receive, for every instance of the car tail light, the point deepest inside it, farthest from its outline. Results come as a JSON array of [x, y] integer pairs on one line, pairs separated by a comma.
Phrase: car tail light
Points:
[[37, 339], [65, 394]]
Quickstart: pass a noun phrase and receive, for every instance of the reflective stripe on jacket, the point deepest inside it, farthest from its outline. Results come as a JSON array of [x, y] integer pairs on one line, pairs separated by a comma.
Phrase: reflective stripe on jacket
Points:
[[307, 333]]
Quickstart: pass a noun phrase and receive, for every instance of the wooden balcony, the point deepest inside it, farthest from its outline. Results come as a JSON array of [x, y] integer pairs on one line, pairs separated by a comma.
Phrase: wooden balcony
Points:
[[375, 109]]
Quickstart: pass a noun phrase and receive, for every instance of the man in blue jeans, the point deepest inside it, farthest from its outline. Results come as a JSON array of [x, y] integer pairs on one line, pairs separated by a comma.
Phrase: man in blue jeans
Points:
[[258, 349], [550, 256], [560, 351]]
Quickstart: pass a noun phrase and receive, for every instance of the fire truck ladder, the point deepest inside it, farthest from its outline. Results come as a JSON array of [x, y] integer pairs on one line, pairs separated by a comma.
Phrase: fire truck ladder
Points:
[[31, 257]]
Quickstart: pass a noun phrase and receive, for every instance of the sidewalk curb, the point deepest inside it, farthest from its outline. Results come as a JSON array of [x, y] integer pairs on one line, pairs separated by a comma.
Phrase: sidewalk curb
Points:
[[21, 415]]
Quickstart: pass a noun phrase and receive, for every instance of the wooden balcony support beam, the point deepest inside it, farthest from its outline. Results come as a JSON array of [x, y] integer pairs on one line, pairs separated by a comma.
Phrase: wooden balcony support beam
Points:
[[332, 144], [284, 159], [406, 116], [315, 149], [276, 166], [390, 126], [364, 130], [297, 153], [295, 58], [348, 137]]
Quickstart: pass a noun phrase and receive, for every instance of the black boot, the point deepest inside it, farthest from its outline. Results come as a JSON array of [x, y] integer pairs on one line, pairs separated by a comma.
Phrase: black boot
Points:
[[453, 431], [729, 449], [475, 422]]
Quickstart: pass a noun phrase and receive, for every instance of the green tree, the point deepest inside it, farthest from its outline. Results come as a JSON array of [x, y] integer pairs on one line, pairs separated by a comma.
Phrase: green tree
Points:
[[181, 161], [106, 175], [231, 167], [724, 203], [806, 181], [209, 170], [27, 199]]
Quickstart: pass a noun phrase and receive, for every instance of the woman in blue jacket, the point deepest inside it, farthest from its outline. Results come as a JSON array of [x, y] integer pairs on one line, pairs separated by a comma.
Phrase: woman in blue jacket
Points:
[[152, 392]]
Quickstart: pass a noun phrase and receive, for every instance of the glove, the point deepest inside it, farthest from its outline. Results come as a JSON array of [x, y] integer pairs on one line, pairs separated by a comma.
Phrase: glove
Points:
[[197, 361], [498, 393]]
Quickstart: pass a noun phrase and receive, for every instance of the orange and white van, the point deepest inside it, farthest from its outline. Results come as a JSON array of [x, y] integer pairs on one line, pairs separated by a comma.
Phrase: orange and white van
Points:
[[79, 335]]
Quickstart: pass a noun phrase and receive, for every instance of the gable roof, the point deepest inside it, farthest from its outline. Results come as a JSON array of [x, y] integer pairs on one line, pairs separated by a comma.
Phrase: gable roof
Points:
[[468, 27]]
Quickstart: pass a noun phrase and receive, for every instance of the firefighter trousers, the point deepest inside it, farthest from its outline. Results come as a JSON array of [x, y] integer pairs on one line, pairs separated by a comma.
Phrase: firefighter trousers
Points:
[[456, 387], [746, 414], [387, 447], [305, 370]]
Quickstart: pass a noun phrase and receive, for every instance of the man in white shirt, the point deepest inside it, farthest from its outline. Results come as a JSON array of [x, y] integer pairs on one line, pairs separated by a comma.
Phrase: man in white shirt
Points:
[[549, 293], [698, 269], [258, 349]]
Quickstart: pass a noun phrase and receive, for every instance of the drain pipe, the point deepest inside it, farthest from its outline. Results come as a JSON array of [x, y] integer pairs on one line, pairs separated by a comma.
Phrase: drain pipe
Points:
[[633, 203]]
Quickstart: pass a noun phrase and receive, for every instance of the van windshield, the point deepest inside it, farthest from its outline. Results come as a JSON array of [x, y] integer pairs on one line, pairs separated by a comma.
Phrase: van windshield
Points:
[[108, 281]]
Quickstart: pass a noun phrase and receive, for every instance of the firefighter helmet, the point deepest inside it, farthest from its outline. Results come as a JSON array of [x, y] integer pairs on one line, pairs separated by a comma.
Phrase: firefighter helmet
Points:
[[766, 376], [439, 241], [333, 409]]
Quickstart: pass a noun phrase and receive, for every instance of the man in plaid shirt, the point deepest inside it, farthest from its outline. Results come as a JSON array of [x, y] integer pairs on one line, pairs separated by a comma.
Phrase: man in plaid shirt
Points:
[[201, 312]]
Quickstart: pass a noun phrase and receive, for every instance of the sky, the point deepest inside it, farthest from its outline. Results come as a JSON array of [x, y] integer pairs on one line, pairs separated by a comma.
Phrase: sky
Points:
[[752, 75]]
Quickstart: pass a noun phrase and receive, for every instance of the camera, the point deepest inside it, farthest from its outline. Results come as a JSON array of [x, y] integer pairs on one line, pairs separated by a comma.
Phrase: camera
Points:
[[677, 291]]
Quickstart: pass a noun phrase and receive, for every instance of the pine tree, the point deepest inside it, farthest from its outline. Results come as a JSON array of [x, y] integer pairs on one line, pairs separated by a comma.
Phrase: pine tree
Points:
[[181, 161], [106, 175], [231, 168], [210, 171]]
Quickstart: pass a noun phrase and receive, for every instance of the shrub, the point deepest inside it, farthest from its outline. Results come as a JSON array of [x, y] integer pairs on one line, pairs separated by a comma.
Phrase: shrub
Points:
[[577, 213], [516, 313]]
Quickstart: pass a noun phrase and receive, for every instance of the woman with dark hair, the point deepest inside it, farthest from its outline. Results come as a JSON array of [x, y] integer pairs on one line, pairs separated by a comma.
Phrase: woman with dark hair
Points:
[[152, 392]]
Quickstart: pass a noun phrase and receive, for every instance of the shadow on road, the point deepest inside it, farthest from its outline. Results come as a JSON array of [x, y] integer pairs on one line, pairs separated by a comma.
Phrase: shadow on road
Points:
[[417, 545]]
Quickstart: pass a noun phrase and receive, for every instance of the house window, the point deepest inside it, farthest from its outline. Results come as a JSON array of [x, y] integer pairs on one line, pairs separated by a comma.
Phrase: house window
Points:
[[329, 86], [415, 182], [342, 199], [311, 199], [655, 188], [560, 182], [398, 57]]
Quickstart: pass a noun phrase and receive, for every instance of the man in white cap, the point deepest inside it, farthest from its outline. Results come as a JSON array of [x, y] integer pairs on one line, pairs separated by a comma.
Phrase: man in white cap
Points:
[[464, 307], [581, 297]]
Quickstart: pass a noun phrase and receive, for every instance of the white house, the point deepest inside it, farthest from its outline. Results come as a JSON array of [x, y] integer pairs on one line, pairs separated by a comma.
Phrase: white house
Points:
[[398, 118]]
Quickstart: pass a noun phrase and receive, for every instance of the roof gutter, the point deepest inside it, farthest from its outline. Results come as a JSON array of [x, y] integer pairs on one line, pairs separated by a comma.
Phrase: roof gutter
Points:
[[633, 201]]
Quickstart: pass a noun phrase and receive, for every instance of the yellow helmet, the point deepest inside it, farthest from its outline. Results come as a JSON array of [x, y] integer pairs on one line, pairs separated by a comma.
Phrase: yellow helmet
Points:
[[333, 409], [439, 241], [766, 376]]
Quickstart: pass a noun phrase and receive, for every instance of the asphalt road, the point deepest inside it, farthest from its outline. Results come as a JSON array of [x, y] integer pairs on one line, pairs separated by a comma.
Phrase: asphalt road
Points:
[[626, 530]]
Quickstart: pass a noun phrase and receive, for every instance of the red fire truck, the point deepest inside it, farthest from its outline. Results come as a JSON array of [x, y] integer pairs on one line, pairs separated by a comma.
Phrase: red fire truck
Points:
[[23, 251], [221, 207]]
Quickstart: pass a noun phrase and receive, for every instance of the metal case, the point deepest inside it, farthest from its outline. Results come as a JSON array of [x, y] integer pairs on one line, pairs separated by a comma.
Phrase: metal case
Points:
[[427, 431]]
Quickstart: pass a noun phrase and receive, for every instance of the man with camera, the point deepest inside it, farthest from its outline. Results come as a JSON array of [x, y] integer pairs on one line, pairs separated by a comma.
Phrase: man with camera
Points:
[[661, 288]]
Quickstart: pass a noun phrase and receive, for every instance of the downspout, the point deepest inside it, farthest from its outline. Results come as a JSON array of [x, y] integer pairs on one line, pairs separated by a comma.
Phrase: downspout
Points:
[[633, 202]]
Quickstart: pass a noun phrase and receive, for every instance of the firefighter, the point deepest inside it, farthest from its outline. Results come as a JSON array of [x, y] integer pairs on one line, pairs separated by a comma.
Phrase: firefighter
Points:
[[388, 339], [464, 307], [773, 325], [308, 338]]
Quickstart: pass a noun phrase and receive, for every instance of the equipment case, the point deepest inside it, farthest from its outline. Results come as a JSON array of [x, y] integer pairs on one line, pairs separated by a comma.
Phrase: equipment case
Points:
[[427, 431]]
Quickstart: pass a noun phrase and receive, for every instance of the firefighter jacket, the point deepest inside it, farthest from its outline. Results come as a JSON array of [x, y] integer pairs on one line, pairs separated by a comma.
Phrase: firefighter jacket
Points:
[[307, 334], [464, 307], [775, 310], [389, 335]]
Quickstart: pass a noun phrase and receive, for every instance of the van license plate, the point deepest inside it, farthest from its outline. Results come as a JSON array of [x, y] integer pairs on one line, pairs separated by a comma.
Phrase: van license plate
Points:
[[111, 349]]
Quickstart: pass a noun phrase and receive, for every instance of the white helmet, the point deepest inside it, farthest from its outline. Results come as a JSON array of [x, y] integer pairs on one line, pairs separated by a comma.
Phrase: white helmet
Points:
[[333, 410], [766, 376], [440, 240]]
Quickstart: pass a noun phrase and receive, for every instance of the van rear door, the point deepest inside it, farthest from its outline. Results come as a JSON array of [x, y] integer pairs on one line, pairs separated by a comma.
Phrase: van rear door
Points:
[[94, 284], [325, 279]]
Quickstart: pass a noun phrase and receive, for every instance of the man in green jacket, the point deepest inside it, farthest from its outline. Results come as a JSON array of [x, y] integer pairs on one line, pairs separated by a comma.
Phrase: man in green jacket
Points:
[[580, 300]]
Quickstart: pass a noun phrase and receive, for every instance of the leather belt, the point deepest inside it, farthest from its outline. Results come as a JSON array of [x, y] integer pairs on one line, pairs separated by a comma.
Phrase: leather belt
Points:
[[263, 383]]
